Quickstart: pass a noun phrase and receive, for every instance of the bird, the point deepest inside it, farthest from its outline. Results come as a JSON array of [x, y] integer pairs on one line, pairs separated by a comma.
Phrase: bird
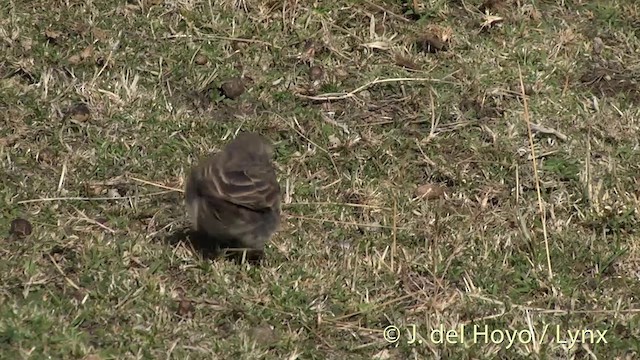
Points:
[[233, 196]]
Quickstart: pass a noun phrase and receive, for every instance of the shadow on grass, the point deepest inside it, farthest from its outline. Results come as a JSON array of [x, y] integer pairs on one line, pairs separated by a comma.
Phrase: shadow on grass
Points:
[[210, 248]]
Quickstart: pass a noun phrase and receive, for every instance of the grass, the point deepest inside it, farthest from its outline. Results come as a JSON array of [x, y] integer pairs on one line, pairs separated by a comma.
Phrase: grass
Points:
[[103, 274]]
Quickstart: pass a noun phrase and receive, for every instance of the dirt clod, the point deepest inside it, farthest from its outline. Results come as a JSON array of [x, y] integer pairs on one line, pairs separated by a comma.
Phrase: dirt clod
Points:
[[20, 228], [429, 191], [185, 308], [430, 43], [611, 81], [265, 335], [490, 5], [201, 59], [316, 72], [79, 113], [406, 63], [233, 88]]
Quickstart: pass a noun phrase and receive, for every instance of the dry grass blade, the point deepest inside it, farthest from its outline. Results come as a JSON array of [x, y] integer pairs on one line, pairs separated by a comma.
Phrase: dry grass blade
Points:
[[335, 167], [216, 37], [156, 184], [351, 94], [69, 281], [106, 198], [329, 203], [392, 227], [545, 130], [378, 306], [543, 217]]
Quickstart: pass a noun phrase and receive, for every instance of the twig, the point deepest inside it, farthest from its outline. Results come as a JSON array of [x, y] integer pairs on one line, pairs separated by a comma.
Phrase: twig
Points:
[[378, 306], [216, 37], [394, 15], [434, 120], [334, 122], [73, 285], [337, 204], [546, 130], [88, 219], [155, 184], [335, 167], [393, 233], [107, 61], [426, 158], [62, 176], [555, 311], [342, 96]]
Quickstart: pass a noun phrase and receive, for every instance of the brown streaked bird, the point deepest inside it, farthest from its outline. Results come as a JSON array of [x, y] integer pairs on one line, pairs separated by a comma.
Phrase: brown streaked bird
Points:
[[233, 196]]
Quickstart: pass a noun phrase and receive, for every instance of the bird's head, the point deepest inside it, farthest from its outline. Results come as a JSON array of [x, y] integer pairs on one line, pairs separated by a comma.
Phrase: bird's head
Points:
[[249, 148]]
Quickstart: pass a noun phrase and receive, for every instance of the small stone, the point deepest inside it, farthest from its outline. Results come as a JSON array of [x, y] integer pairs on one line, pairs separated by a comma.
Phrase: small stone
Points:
[[334, 141], [598, 45], [114, 193]]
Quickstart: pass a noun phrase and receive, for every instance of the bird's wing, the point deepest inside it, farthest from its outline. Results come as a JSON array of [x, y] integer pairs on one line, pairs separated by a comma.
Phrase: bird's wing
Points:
[[254, 186]]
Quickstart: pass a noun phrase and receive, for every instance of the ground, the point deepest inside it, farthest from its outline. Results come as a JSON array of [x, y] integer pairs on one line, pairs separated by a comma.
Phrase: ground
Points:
[[442, 163]]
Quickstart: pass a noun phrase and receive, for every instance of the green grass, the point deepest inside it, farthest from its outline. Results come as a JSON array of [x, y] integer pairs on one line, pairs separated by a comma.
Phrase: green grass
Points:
[[110, 278]]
